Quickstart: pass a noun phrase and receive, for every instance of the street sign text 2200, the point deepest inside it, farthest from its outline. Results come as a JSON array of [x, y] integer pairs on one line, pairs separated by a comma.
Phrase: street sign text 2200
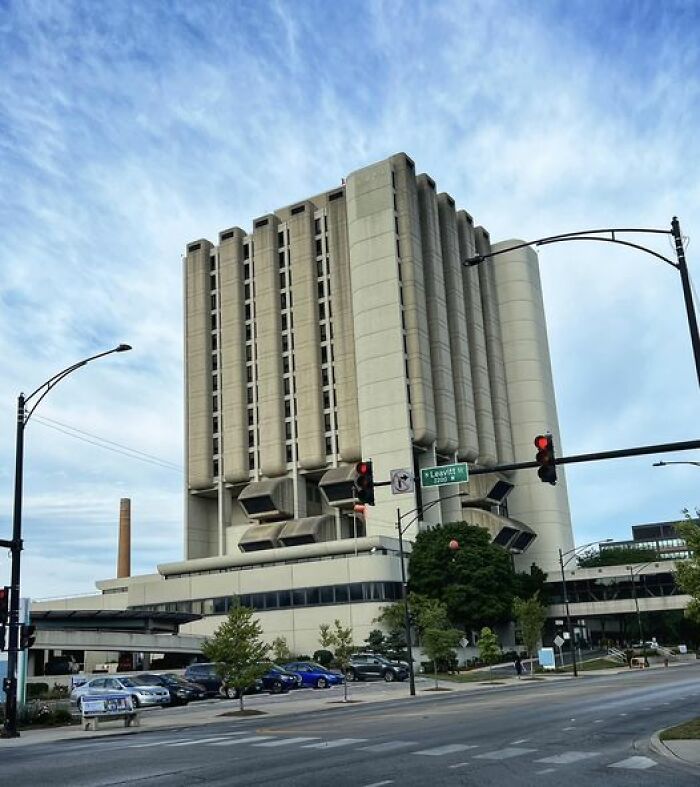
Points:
[[444, 475]]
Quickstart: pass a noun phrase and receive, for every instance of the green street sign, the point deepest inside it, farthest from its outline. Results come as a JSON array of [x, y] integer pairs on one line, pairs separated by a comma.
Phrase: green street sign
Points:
[[444, 475]]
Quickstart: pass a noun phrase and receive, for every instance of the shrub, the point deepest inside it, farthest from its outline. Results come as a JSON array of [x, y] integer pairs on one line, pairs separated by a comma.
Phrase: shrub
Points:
[[323, 657]]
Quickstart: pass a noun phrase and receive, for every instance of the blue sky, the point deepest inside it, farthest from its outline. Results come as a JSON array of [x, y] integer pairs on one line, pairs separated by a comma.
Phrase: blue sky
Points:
[[130, 128]]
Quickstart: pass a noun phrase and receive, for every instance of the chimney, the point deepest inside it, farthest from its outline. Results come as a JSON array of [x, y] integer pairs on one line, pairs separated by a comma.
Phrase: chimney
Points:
[[124, 552]]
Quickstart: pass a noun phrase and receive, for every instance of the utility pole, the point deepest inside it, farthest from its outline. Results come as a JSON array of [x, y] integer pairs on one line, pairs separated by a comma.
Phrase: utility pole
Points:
[[687, 293]]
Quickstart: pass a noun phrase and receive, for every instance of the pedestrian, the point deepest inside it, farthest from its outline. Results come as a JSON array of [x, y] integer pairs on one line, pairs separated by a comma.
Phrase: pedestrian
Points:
[[518, 664]]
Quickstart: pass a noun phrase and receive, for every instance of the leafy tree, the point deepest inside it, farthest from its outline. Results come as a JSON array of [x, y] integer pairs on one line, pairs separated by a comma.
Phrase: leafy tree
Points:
[[530, 615], [688, 571], [340, 638], [438, 637], [593, 558], [376, 641], [280, 650], [237, 650], [489, 649], [526, 585], [325, 636], [476, 582], [323, 657]]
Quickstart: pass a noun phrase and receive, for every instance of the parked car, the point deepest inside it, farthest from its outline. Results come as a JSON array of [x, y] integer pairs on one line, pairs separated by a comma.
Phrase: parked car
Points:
[[281, 672], [142, 695], [364, 666], [181, 691], [206, 676], [313, 675], [276, 681]]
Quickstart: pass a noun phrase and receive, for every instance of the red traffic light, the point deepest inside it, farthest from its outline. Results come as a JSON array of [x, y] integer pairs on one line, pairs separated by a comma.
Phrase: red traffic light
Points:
[[362, 468], [542, 442], [364, 482]]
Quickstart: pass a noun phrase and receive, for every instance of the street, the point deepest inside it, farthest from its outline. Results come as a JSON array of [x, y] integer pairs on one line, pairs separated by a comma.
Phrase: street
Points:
[[594, 729]]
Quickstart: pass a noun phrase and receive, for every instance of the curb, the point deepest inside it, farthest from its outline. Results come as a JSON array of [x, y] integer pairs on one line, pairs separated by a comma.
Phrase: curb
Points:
[[659, 747]]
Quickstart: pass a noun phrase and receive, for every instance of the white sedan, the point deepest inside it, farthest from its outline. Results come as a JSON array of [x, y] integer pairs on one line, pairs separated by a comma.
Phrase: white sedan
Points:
[[142, 695]]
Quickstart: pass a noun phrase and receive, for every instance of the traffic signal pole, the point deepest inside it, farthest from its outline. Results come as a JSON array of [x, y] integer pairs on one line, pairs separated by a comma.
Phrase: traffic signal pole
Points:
[[687, 293]]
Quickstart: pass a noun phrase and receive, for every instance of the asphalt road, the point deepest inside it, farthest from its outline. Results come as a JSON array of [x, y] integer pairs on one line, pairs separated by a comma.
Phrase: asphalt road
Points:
[[594, 730]]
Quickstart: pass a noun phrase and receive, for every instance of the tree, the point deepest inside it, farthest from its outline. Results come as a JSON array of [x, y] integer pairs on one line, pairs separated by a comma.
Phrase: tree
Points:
[[340, 638], [280, 650], [325, 636], [237, 650], [688, 571], [530, 615], [593, 558], [376, 641], [475, 582], [527, 584], [438, 637], [489, 649]]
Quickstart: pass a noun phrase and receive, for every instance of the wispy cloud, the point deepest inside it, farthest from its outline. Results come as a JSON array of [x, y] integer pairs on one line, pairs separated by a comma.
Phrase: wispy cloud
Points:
[[128, 129]]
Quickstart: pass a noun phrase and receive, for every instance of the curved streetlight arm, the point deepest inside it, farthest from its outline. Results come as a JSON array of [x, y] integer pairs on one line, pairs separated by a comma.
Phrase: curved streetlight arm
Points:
[[573, 552], [663, 464], [44, 388]]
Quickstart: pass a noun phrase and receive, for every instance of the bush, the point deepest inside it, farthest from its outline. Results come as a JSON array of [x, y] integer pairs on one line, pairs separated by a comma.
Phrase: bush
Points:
[[323, 657], [36, 690]]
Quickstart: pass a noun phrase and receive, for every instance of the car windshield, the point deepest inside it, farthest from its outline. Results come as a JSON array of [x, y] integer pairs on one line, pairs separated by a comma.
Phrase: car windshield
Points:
[[317, 667], [275, 668], [128, 683]]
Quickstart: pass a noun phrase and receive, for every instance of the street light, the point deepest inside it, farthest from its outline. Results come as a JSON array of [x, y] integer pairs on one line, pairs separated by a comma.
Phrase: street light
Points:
[[15, 544], [634, 571], [572, 554], [663, 464]]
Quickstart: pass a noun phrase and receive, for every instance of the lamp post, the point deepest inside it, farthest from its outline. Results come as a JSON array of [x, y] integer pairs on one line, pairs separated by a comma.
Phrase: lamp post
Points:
[[15, 544], [663, 464], [572, 554], [633, 572], [679, 264]]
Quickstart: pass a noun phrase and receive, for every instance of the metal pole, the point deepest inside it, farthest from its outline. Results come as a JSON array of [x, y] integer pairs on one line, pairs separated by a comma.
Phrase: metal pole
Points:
[[407, 616], [687, 294], [636, 606], [10, 729], [568, 616]]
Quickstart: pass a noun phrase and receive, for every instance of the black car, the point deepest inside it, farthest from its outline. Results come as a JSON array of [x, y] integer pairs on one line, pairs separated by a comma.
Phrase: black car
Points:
[[365, 666], [206, 676], [181, 691]]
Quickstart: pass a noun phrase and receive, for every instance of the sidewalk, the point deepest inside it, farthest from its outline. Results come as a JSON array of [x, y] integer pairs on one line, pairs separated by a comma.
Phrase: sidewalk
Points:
[[687, 752]]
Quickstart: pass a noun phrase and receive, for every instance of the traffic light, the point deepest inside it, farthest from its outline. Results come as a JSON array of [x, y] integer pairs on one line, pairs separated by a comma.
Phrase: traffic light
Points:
[[364, 482], [27, 636], [545, 459], [4, 605]]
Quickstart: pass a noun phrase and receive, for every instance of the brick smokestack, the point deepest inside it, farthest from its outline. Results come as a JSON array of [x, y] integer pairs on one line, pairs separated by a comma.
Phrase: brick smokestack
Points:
[[124, 552]]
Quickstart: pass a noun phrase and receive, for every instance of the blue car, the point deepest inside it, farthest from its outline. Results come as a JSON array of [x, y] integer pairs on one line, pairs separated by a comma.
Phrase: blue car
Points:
[[313, 675]]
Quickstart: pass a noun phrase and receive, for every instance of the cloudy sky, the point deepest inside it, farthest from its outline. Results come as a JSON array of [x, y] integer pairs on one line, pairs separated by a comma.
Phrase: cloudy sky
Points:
[[130, 128]]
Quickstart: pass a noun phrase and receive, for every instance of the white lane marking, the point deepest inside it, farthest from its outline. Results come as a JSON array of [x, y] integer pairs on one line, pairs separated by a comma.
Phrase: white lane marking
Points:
[[288, 741], [648, 708], [598, 721], [665, 703], [388, 746], [200, 740], [624, 714], [569, 728], [334, 744], [379, 784], [459, 765], [450, 748], [637, 763], [568, 757], [504, 754], [166, 742], [522, 740], [242, 740], [545, 770]]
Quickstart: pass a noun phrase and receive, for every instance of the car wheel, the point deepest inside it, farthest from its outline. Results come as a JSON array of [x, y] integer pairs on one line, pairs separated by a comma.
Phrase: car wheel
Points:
[[135, 701], [321, 683], [350, 675], [276, 687], [389, 676]]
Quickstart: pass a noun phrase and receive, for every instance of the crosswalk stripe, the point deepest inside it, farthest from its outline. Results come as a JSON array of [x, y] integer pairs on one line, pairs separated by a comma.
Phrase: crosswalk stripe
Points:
[[242, 740], [504, 754], [334, 744], [286, 741], [568, 757], [199, 740], [636, 763], [450, 748], [388, 746], [166, 742]]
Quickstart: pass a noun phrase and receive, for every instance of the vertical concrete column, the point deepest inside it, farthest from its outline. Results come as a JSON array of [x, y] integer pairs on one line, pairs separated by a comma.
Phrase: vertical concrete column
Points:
[[532, 403], [124, 551], [311, 444], [468, 441], [477, 343], [376, 304], [234, 422], [406, 226], [348, 417], [436, 307], [494, 350], [268, 333], [198, 347]]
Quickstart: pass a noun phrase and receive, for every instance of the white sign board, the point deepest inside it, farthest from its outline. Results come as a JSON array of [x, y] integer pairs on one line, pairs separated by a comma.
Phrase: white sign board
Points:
[[558, 641], [402, 481], [106, 704], [546, 658]]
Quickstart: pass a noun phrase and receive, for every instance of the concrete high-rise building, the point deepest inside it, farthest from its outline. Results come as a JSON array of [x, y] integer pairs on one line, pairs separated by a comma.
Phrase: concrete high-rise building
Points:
[[346, 327]]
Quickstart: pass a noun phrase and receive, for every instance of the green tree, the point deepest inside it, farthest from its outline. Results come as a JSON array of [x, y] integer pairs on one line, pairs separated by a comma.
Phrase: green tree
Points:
[[688, 571], [489, 649], [340, 638], [280, 650], [527, 584], [476, 582], [237, 650], [376, 641], [325, 636], [530, 616], [438, 637], [594, 558]]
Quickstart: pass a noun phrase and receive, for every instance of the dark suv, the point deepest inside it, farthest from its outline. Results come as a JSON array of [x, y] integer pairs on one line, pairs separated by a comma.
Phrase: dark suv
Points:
[[205, 675], [364, 666]]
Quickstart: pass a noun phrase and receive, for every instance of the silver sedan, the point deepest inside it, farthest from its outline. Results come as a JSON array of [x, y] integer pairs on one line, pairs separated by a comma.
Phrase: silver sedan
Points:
[[142, 695]]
